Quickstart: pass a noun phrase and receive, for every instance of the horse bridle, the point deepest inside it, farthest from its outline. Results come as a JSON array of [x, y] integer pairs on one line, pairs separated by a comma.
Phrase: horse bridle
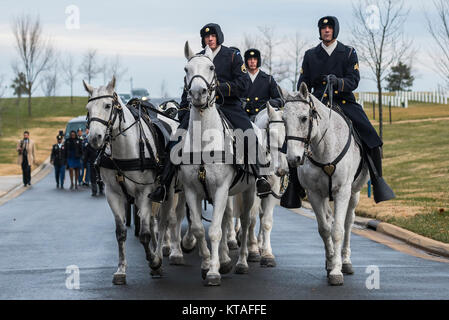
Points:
[[211, 87], [279, 149]]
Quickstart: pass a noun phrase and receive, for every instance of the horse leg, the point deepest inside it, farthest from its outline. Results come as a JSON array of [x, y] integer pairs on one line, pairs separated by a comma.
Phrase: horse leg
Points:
[[231, 234], [175, 220], [117, 204], [242, 264], [340, 207], [319, 205], [225, 260], [153, 231], [197, 229], [266, 224], [188, 242], [346, 251], [253, 243], [215, 235]]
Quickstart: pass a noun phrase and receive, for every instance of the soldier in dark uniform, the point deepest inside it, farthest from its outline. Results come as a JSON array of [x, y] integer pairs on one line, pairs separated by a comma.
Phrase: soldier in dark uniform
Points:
[[233, 82], [95, 181], [339, 63], [263, 87], [59, 161]]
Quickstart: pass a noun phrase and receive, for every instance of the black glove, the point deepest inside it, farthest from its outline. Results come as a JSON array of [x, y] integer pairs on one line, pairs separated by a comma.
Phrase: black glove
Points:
[[337, 83]]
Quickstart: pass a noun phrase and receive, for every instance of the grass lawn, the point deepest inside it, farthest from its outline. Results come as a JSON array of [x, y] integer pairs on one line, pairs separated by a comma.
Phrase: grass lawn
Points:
[[49, 115]]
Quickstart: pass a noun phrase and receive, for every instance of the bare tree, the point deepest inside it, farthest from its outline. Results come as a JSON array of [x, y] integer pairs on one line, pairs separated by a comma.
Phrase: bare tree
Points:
[[297, 46], [116, 69], [249, 41], [50, 82], [35, 52], [275, 65], [378, 33], [439, 30], [89, 67], [164, 91], [69, 72], [3, 88]]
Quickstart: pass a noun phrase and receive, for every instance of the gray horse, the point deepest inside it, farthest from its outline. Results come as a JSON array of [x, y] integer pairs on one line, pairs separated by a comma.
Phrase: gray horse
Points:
[[330, 166]]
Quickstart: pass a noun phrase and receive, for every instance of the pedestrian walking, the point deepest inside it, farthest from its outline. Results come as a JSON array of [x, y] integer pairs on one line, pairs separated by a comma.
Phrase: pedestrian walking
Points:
[[74, 152], [58, 160], [26, 157]]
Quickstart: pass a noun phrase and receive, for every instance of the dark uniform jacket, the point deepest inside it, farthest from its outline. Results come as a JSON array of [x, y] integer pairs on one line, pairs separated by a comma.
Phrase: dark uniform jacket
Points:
[[73, 147], [263, 89], [344, 64], [232, 77], [90, 155], [58, 155]]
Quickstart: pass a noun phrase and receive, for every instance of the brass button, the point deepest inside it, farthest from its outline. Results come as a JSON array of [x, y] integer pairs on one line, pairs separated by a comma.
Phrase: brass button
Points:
[[343, 101], [256, 98], [247, 99], [216, 97], [324, 82], [257, 110], [325, 95], [247, 110], [336, 92]]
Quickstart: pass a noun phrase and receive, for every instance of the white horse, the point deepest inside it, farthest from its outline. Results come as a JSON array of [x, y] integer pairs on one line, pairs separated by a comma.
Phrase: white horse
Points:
[[218, 177], [330, 166], [109, 118], [259, 248]]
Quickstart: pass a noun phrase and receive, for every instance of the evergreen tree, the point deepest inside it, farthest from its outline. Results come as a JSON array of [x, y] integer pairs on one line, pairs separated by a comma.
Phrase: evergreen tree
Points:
[[400, 78]]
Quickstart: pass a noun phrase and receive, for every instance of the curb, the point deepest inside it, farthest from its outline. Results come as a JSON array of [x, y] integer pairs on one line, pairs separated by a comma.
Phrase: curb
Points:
[[38, 174], [409, 237]]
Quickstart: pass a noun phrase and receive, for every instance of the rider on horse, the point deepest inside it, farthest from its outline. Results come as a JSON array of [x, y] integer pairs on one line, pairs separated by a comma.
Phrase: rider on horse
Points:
[[233, 84], [263, 87], [332, 61]]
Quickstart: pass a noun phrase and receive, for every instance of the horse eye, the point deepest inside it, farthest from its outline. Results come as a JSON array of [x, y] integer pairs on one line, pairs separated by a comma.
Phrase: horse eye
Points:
[[303, 119], [107, 106], [212, 68]]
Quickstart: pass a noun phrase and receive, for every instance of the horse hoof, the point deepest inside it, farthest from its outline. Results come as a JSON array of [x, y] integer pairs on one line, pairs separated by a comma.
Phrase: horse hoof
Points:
[[212, 280], [166, 251], [225, 267], [119, 279], [176, 260], [156, 273], [204, 273], [241, 269], [267, 262], [186, 250], [335, 279], [253, 257], [233, 245], [346, 268], [156, 266]]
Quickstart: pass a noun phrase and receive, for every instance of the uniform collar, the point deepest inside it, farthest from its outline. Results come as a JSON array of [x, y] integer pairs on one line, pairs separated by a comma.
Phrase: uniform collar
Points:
[[331, 48], [254, 76], [214, 53]]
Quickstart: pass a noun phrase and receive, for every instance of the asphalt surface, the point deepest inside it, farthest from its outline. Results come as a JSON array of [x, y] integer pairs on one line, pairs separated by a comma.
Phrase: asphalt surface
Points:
[[45, 229]]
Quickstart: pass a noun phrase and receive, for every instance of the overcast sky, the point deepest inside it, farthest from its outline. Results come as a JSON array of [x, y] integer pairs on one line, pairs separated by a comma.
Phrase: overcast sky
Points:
[[149, 35]]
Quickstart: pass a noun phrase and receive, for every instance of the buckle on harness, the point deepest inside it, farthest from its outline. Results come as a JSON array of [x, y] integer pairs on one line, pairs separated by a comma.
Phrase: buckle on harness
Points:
[[120, 178]]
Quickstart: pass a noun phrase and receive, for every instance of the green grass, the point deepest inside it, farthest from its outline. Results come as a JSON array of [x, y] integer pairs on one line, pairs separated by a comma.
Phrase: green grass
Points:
[[14, 119], [415, 111], [434, 225]]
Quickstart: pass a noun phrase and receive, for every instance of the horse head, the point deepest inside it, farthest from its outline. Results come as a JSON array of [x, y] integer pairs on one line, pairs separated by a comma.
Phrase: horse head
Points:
[[276, 138], [200, 80], [101, 107], [299, 116]]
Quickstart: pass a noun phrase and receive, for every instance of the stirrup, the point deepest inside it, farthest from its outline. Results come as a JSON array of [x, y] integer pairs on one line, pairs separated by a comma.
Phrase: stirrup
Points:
[[158, 199], [266, 191]]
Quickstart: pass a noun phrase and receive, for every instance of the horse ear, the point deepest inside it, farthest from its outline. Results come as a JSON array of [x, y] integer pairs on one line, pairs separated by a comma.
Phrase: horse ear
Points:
[[111, 84], [303, 91], [188, 53], [270, 110], [88, 87]]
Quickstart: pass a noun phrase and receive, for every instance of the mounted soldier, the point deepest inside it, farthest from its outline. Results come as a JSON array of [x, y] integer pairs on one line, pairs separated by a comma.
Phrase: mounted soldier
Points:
[[233, 82], [263, 87], [332, 64]]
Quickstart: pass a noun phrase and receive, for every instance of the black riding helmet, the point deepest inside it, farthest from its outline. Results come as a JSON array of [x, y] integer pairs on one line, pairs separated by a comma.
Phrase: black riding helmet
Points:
[[252, 53], [211, 28], [329, 21]]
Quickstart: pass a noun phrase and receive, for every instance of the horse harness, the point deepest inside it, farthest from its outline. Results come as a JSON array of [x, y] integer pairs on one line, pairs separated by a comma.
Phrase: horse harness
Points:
[[328, 168], [107, 161]]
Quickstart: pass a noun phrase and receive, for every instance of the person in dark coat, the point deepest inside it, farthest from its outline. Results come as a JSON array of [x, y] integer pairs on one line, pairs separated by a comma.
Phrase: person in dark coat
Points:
[[95, 181], [332, 61], [74, 153], [233, 83], [263, 87], [58, 160]]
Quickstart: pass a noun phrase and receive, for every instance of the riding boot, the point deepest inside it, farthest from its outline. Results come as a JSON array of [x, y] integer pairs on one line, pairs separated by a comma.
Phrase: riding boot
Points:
[[291, 198], [160, 194], [382, 191], [262, 185]]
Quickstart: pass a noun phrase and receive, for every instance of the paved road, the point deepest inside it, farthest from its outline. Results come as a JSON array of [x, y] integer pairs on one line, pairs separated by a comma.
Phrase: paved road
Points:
[[45, 230]]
